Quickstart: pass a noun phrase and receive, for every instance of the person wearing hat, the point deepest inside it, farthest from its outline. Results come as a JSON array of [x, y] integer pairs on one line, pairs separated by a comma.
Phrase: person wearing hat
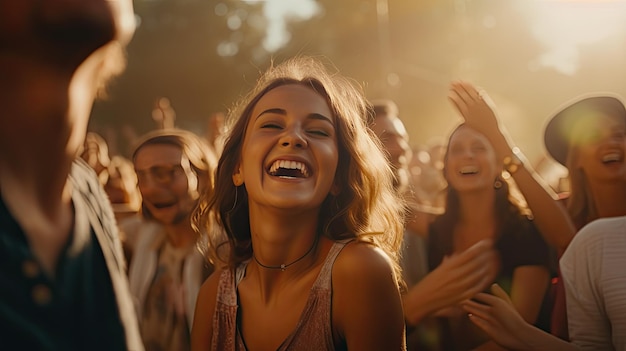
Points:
[[587, 136]]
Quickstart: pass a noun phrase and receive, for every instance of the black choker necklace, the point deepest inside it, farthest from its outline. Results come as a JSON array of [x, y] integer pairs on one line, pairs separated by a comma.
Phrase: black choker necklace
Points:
[[284, 266]]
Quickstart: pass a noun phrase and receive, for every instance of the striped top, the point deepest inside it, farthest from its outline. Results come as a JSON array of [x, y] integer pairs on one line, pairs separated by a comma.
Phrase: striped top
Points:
[[594, 274]]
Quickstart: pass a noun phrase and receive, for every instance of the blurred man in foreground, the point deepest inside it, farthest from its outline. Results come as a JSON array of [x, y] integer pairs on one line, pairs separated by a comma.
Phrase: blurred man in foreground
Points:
[[62, 270]]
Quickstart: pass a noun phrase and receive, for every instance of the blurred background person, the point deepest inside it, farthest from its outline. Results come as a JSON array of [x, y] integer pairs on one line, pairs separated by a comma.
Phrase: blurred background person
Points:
[[427, 182], [480, 206], [96, 154], [215, 131], [117, 175], [593, 273], [173, 168], [395, 141], [163, 114], [586, 136], [121, 187]]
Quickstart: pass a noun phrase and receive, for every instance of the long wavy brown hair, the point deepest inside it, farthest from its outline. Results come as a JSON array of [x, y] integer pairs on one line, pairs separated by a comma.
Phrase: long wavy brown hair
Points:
[[366, 208]]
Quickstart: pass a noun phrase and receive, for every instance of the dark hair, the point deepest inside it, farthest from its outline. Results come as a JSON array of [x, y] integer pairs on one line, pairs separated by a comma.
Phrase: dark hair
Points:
[[508, 208]]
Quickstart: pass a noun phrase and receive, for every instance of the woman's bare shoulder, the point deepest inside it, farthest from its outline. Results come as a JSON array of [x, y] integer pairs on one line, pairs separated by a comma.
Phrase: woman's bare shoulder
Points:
[[362, 261]]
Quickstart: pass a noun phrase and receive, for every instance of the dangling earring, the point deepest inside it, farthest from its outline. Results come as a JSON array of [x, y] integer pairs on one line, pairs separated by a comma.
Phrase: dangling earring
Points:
[[497, 184], [235, 202]]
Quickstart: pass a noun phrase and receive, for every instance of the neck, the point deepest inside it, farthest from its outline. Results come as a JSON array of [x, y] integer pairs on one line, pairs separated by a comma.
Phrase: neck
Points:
[[281, 240], [610, 198], [477, 207], [181, 235], [283, 266]]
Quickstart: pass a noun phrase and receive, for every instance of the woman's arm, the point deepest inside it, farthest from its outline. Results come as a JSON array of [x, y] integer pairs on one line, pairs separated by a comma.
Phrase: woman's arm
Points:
[[528, 290], [202, 329], [527, 293], [367, 309], [479, 113]]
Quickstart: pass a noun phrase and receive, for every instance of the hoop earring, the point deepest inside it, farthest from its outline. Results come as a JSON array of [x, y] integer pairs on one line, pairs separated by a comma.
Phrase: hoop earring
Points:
[[497, 184]]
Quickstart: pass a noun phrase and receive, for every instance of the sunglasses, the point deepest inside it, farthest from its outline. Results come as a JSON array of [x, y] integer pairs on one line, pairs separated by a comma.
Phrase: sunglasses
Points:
[[159, 174]]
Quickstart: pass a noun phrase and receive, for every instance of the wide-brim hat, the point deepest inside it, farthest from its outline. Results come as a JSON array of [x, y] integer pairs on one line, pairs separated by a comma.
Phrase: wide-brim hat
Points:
[[559, 130]]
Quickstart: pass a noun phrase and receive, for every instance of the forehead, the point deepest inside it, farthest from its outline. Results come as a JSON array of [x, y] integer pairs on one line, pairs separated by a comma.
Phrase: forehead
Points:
[[295, 98], [158, 155], [466, 134], [597, 120]]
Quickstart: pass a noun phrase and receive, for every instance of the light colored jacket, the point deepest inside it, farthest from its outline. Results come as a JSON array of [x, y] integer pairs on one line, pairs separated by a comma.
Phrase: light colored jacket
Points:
[[143, 266], [89, 196]]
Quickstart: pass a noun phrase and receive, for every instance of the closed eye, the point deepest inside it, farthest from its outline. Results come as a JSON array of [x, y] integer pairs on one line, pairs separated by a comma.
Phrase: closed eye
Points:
[[319, 132], [271, 126]]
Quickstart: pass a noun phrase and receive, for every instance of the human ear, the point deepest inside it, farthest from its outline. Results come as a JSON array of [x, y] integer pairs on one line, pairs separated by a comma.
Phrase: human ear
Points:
[[238, 177]]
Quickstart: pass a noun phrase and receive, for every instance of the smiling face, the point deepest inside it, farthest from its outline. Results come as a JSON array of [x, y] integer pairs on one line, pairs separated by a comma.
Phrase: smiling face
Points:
[[601, 143], [470, 161], [289, 155], [162, 174]]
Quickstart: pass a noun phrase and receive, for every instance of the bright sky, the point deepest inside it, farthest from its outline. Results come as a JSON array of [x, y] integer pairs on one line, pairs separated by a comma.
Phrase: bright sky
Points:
[[564, 26], [277, 12]]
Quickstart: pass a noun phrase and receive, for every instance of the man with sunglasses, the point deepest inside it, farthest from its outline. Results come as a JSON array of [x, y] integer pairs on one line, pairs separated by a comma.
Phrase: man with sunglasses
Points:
[[173, 167]]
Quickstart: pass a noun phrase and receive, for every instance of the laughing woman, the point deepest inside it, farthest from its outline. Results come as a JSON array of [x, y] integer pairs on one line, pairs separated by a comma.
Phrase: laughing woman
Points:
[[480, 206], [308, 224]]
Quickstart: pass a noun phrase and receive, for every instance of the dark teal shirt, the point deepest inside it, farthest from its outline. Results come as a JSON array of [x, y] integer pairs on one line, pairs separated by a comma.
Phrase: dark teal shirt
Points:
[[74, 311]]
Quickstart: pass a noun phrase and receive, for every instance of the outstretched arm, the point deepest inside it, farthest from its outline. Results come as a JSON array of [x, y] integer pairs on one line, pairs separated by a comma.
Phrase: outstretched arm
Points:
[[551, 218]]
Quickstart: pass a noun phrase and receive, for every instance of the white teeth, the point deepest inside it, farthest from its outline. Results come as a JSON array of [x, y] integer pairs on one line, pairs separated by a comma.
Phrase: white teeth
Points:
[[286, 164], [469, 170], [611, 157]]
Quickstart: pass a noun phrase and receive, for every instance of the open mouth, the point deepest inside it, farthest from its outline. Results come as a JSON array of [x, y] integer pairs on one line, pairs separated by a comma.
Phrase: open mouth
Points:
[[611, 158], [162, 205], [468, 170], [288, 169]]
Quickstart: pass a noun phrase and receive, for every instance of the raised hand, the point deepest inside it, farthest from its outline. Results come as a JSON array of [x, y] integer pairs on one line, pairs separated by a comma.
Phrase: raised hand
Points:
[[476, 107]]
